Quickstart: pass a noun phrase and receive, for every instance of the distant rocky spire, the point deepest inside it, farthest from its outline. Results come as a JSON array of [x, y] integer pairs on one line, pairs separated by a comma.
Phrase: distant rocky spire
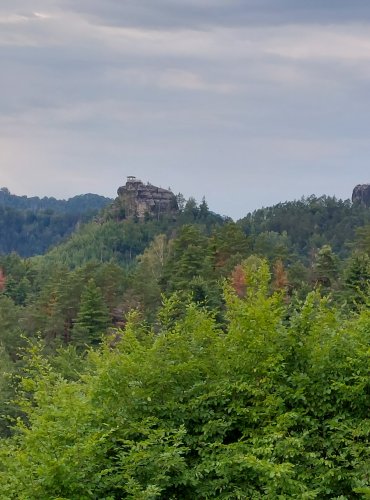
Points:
[[136, 199], [361, 194]]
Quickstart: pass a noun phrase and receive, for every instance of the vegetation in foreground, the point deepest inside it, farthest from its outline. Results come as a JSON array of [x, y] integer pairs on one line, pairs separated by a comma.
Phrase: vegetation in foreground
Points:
[[274, 405], [241, 385]]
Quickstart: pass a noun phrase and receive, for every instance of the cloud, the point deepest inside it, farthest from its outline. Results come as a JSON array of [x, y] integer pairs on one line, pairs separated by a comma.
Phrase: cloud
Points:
[[174, 14], [185, 91], [343, 43]]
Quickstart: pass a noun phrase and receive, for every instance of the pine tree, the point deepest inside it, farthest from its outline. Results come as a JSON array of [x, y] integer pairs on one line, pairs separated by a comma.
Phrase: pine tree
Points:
[[203, 209], [190, 257], [93, 316], [326, 267], [229, 247]]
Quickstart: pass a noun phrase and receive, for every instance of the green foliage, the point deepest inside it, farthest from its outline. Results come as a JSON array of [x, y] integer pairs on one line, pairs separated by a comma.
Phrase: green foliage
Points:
[[122, 241], [357, 278], [326, 268], [190, 257], [310, 223], [229, 247], [7, 410], [231, 389], [10, 326], [192, 213], [77, 204], [93, 316], [272, 245], [30, 226], [147, 278], [274, 407]]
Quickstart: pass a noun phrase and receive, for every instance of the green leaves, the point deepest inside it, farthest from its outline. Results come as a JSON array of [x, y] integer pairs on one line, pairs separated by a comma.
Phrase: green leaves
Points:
[[273, 405]]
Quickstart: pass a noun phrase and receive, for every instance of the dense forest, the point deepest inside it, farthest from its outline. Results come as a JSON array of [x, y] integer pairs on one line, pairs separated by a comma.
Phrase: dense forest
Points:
[[187, 357], [29, 226]]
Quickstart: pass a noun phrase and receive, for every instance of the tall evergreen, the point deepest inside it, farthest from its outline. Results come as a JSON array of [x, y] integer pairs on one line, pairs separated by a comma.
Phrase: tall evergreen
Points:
[[93, 316]]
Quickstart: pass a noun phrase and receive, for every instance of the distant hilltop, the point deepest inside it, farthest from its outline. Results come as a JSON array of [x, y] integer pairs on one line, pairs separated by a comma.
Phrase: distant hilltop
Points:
[[361, 194], [79, 204], [136, 199]]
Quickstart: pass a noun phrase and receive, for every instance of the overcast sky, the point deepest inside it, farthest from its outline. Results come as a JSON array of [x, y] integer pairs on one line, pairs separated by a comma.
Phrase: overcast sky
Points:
[[247, 102]]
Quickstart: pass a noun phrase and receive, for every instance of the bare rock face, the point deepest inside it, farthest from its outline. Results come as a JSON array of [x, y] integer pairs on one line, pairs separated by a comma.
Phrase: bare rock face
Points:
[[361, 194], [137, 199]]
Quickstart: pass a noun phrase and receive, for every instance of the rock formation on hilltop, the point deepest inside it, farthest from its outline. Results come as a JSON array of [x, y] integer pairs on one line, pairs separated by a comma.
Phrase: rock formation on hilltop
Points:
[[361, 194], [137, 199]]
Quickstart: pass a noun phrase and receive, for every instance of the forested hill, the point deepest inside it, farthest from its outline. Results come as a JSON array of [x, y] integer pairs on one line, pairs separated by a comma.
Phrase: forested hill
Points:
[[306, 224], [291, 230], [79, 204], [29, 226]]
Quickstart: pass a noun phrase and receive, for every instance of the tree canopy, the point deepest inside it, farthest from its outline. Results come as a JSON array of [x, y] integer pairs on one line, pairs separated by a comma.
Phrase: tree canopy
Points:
[[268, 408]]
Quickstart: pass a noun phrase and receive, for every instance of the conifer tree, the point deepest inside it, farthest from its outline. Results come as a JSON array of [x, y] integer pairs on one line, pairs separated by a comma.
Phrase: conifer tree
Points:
[[93, 316], [326, 267], [190, 257]]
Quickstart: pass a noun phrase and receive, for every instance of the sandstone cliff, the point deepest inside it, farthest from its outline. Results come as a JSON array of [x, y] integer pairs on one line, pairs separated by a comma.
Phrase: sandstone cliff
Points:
[[137, 199], [361, 194]]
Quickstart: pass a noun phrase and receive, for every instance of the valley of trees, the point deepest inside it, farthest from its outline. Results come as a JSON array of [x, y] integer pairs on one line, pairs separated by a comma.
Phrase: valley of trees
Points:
[[189, 357]]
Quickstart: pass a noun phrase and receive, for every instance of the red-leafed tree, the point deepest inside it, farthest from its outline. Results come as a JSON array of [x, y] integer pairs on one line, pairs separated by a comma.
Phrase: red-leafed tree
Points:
[[2, 280], [280, 276], [238, 280]]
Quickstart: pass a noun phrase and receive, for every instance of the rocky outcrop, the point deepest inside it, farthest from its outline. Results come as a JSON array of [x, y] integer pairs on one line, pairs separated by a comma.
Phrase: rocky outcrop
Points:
[[361, 194], [137, 199]]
